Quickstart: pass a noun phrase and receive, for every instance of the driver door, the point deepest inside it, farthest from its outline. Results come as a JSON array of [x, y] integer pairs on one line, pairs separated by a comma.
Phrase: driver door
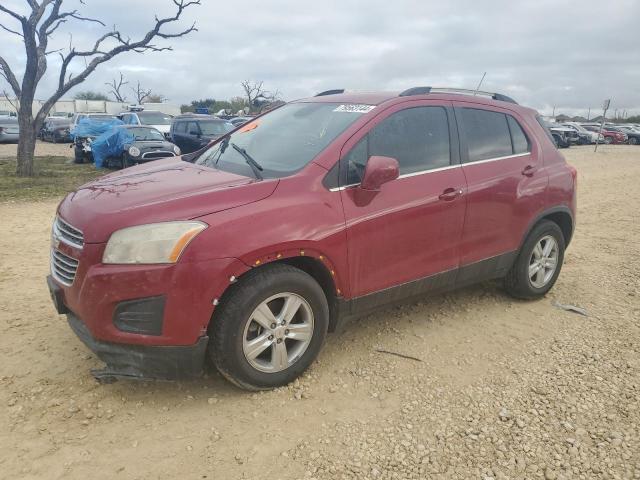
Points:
[[404, 239]]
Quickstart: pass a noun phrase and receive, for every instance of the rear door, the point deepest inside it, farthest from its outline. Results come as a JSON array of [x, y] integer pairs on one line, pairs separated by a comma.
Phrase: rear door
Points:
[[411, 228], [505, 178]]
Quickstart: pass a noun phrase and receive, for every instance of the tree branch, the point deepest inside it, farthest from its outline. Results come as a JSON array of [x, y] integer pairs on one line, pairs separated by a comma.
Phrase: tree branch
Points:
[[100, 55], [8, 75]]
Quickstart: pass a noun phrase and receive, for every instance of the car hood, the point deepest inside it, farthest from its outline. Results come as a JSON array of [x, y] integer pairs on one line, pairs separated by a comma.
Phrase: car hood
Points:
[[161, 128], [159, 191], [146, 144]]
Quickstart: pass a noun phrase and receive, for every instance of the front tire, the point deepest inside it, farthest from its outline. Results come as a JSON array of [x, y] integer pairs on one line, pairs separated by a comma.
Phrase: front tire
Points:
[[78, 155], [633, 141], [269, 327], [538, 264], [608, 140]]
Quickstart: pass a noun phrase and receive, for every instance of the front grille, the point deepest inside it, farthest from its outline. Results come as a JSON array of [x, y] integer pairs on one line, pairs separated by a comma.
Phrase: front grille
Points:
[[63, 267], [68, 233], [158, 154]]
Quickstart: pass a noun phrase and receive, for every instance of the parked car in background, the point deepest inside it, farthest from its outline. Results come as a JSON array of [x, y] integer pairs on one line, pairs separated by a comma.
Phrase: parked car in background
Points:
[[8, 113], [237, 121], [149, 118], [100, 117], [147, 144], [191, 132], [585, 136], [56, 130], [323, 209], [9, 130], [633, 135], [81, 140], [562, 136], [610, 136]]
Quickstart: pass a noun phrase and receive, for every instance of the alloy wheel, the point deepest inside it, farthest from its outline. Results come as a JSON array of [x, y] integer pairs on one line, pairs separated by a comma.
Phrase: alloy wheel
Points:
[[278, 332], [543, 261]]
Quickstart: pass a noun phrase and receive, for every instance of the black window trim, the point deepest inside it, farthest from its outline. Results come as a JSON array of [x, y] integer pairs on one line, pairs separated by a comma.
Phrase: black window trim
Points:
[[464, 151], [454, 147]]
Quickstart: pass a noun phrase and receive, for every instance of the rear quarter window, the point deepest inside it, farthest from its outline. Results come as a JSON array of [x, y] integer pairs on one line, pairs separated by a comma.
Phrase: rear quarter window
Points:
[[518, 137]]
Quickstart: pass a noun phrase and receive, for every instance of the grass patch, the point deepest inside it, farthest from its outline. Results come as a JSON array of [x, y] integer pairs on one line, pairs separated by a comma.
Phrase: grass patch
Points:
[[54, 177]]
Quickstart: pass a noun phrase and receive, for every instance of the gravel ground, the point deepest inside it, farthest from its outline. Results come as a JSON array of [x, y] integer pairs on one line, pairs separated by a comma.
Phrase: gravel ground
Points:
[[504, 388], [43, 149]]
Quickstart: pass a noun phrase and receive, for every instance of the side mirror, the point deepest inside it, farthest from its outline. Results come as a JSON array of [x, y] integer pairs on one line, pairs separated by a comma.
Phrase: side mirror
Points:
[[379, 170]]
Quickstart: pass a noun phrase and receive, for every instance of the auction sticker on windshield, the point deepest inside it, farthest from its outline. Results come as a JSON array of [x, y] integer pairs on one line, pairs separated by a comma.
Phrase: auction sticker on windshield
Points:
[[352, 108]]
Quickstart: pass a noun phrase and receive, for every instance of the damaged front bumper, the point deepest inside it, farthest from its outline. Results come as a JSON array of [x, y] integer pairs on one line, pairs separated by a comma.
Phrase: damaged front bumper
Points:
[[142, 361], [133, 361]]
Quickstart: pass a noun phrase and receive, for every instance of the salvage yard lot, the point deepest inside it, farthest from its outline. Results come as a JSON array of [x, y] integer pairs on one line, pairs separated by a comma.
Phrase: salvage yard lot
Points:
[[504, 388]]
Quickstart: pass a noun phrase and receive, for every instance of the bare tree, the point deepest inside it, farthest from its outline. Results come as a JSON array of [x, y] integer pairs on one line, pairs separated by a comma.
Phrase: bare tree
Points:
[[140, 94], [156, 98], [252, 91], [257, 98], [36, 28], [116, 89]]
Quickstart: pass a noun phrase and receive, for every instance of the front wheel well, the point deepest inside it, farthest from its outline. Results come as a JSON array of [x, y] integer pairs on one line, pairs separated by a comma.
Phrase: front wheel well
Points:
[[311, 266], [321, 274]]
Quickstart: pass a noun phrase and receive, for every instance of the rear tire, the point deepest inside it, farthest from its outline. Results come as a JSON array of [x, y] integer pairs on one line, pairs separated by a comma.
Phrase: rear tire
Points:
[[633, 141], [238, 321], [608, 140], [531, 275]]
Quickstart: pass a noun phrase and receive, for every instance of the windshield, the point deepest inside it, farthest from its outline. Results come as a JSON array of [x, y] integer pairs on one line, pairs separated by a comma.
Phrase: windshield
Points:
[[213, 127], [284, 140], [154, 118], [100, 118], [144, 134]]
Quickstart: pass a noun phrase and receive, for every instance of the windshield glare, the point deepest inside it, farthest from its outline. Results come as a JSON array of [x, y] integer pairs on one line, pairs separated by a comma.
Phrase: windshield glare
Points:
[[284, 140], [154, 118], [143, 134]]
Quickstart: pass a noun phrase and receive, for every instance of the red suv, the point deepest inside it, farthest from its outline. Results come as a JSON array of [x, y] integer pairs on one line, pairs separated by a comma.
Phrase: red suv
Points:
[[250, 250]]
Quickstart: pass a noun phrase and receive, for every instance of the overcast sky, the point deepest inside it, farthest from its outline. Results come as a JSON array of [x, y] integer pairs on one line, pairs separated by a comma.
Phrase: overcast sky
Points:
[[571, 54]]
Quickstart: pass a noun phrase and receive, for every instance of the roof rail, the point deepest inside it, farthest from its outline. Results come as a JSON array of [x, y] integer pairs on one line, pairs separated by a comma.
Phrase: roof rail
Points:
[[462, 91], [330, 92], [416, 91]]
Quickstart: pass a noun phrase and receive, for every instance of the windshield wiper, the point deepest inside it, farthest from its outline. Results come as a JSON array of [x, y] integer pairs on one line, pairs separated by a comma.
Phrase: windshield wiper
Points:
[[255, 166]]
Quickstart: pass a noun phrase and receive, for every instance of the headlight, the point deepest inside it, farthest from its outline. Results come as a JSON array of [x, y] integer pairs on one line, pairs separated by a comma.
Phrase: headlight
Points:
[[152, 243], [176, 150], [134, 151]]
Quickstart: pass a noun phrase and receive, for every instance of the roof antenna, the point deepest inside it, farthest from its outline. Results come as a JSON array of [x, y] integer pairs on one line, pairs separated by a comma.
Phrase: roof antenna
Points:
[[478, 87]]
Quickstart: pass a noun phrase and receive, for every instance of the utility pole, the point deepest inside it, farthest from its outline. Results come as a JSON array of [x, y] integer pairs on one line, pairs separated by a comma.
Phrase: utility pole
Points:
[[605, 107], [554, 113], [589, 114]]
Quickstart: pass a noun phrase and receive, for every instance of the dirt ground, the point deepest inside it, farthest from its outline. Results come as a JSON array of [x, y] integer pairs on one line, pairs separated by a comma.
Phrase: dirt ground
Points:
[[505, 389], [43, 149]]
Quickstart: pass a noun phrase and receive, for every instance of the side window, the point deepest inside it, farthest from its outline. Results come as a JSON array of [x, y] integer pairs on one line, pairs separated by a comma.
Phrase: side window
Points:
[[192, 127], [417, 137], [518, 137], [487, 134], [356, 161], [181, 127]]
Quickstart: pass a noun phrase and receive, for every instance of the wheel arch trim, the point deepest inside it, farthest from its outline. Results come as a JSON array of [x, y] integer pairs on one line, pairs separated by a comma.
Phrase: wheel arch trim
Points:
[[550, 213]]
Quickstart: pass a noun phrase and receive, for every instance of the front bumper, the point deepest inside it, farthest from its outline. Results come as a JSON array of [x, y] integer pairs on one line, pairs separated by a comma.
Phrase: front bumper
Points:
[[159, 362], [142, 361]]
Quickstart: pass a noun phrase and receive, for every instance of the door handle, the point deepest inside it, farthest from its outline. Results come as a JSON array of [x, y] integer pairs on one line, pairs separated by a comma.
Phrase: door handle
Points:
[[529, 170], [450, 194]]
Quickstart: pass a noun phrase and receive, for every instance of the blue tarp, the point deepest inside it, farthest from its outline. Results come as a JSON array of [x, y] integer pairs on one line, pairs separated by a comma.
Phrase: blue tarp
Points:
[[87, 127], [110, 144], [108, 139]]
